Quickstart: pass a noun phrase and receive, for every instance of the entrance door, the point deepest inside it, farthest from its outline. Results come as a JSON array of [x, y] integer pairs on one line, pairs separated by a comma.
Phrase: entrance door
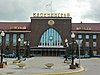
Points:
[[48, 51]]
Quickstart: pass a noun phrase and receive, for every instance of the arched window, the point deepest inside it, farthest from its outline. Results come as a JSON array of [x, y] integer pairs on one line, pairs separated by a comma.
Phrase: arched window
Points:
[[50, 38]]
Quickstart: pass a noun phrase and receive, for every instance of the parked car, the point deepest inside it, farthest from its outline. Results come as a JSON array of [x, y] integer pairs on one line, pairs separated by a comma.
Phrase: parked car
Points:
[[69, 57], [83, 56], [97, 56], [32, 55], [10, 55]]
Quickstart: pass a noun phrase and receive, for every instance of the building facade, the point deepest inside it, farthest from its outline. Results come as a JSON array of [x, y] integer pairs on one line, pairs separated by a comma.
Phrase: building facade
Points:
[[46, 33]]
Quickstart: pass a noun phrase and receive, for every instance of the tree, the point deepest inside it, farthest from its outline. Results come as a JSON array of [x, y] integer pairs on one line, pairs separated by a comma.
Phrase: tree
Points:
[[7, 49], [77, 51], [90, 52]]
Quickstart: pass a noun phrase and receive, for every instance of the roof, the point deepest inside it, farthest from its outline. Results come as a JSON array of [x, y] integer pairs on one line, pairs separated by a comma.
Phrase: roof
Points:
[[86, 27], [77, 27], [14, 25]]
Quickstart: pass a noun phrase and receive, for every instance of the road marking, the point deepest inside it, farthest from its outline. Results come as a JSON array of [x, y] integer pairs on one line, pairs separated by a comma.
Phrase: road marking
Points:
[[62, 73]]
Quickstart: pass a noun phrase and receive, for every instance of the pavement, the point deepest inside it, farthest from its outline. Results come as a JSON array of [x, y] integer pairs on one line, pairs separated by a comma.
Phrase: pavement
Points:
[[36, 66]]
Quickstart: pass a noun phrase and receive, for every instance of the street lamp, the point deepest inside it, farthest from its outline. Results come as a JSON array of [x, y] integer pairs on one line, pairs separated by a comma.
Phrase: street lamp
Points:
[[72, 66], [66, 41], [79, 44], [72, 35], [2, 34], [17, 48], [26, 43], [66, 54]]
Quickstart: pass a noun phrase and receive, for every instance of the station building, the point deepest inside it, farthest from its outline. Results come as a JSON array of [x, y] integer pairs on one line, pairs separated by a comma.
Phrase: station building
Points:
[[46, 33]]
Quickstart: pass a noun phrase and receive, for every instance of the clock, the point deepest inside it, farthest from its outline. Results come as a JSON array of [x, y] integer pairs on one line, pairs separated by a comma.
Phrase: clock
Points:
[[51, 22], [50, 38]]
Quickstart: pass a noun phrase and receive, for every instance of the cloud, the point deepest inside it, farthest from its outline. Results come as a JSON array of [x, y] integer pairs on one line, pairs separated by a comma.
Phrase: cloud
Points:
[[93, 12], [18, 9], [21, 10]]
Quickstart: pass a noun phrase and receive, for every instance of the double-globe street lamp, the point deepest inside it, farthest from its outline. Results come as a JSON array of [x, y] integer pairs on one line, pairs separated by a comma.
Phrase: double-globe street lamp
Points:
[[17, 48], [72, 66], [2, 34], [66, 54], [26, 43]]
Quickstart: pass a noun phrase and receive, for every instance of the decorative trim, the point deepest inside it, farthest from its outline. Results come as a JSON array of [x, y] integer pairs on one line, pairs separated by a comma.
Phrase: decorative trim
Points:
[[84, 32], [51, 18]]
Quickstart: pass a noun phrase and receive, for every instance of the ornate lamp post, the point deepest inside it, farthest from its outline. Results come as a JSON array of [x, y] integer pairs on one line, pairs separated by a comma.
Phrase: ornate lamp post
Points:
[[66, 54], [26, 43], [17, 49], [79, 44], [1, 64], [72, 66]]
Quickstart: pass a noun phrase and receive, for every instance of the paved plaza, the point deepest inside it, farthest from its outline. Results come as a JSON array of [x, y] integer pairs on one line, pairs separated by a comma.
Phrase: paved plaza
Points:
[[36, 65], [92, 66]]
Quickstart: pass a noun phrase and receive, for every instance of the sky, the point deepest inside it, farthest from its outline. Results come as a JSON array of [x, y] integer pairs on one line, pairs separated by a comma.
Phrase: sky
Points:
[[21, 10]]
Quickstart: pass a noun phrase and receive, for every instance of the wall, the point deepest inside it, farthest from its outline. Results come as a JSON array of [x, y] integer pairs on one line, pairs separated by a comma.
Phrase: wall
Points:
[[40, 25]]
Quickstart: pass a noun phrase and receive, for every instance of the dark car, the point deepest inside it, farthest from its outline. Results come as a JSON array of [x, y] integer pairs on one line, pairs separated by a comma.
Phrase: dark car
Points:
[[10, 55]]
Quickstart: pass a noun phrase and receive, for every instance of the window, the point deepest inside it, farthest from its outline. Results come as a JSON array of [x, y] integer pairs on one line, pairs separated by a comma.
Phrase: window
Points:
[[87, 44], [7, 39], [51, 38], [79, 36], [0, 40], [87, 36], [22, 39], [14, 39], [94, 44], [94, 36]]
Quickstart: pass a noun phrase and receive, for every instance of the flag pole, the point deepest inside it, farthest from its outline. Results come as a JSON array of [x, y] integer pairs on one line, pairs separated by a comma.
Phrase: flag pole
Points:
[[51, 7]]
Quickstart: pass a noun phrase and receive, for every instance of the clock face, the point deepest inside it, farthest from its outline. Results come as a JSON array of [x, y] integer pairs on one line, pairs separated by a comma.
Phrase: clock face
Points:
[[51, 22], [50, 38]]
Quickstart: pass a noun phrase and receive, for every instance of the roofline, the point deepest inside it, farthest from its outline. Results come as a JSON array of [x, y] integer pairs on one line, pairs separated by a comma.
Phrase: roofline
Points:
[[87, 23], [13, 22], [16, 31]]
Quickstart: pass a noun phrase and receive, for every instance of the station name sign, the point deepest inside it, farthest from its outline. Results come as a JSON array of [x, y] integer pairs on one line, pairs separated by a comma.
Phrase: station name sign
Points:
[[51, 14], [18, 27], [83, 28]]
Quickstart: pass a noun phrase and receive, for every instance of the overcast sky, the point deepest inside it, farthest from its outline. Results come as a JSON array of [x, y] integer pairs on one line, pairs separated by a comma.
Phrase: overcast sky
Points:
[[21, 10]]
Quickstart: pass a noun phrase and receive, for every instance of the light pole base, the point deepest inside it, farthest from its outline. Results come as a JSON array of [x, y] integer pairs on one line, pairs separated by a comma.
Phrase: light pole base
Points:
[[1, 65], [72, 66]]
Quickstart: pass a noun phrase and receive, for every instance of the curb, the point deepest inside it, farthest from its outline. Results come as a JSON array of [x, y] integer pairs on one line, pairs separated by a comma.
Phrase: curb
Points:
[[95, 58], [62, 73]]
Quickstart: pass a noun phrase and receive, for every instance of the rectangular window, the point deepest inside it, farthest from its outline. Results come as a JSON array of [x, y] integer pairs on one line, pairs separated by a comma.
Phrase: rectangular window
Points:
[[79, 36], [0, 40], [7, 39], [22, 39], [87, 44], [94, 44], [94, 36], [14, 39], [87, 36]]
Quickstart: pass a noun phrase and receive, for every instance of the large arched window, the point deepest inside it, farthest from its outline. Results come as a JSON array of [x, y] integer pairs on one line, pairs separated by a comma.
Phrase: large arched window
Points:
[[50, 38]]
